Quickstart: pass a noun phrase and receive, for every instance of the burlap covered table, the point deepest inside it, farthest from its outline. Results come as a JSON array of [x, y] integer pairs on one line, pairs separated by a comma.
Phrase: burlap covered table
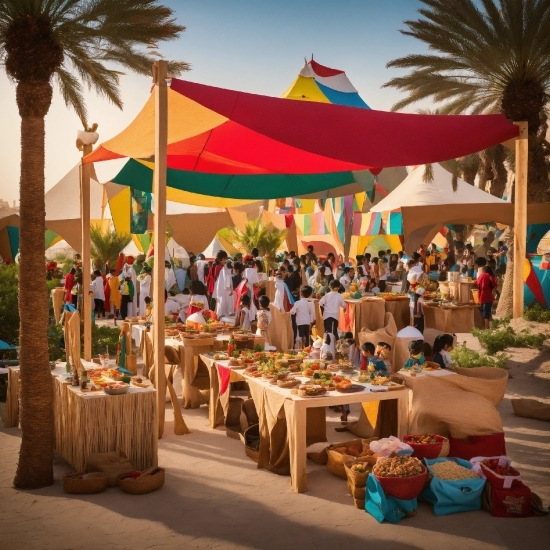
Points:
[[401, 311], [278, 407], [58, 299], [449, 320], [86, 423], [365, 313], [269, 287]]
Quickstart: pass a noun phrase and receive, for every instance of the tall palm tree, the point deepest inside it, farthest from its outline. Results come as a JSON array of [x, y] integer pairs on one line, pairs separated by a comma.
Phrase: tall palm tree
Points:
[[487, 59], [72, 43], [256, 234], [107, 245]]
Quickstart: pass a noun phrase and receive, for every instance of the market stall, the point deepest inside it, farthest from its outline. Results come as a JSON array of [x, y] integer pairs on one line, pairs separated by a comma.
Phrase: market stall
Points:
[[364, 313], [450, 318]]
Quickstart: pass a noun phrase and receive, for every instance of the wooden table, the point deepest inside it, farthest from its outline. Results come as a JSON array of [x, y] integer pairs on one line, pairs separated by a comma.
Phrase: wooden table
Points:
[[295, 411], [366, 313], [94, 422], [449, 320]]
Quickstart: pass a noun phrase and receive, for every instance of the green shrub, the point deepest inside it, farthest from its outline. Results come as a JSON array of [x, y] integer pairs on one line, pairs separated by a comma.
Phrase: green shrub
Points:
[[104, 338], [468, 358], [9, 304], [537, 313], [502, 322], [494, 340]]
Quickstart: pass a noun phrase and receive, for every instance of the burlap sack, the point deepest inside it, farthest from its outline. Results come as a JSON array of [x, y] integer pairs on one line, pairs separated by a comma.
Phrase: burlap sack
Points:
[[387, 334], [460, 405], [531, 408], [113, 464]]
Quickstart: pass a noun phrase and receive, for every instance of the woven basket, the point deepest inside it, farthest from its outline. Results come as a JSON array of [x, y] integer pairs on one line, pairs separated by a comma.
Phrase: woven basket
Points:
[[405, 488], [357, 492], [94, 483], [149, 480], [356, 479], [427, 450], [359, 503]]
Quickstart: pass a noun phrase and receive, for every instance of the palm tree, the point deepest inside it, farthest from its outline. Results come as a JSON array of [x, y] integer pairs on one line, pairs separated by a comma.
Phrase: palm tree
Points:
[[266, 238], [489, 59], [107, 245], [72, 43]]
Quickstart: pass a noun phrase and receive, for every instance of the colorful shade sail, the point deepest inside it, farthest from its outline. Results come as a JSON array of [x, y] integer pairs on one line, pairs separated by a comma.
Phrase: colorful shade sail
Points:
[[228, 144], [315, 82]]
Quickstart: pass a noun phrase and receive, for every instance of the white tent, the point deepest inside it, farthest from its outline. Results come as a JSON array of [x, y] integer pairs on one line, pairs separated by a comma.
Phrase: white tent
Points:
[[428, 206], [213, 248]]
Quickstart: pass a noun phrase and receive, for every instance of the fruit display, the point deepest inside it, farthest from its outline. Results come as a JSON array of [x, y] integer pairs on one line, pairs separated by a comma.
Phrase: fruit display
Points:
[[399, 466]]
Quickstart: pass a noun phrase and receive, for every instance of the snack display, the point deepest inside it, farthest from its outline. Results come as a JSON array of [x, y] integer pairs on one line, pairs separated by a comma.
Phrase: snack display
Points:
[[426, 446], [139, 381], [399, 466], [288, 382], [116, 388], [310, 391], [451, 471]]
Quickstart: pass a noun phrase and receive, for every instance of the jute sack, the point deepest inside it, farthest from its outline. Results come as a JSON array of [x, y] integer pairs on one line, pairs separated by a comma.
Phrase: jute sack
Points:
[[462, 406], [531, 408], [113, 464]]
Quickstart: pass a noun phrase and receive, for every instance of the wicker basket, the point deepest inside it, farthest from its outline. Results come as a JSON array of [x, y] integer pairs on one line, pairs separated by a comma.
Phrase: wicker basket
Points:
[[359, 503], [427, 450], [357, 492], [356, 479], [405, 488], [149, 480], [94, 482], [337, 461]]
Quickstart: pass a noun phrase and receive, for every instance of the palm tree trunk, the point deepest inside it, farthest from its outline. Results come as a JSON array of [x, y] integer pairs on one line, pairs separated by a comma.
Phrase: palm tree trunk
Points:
[[35, 467], [505, 304]]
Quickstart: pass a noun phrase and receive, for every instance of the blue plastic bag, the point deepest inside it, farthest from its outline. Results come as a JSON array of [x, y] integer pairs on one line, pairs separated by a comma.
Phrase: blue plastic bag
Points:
[[382, 507], [450, 497]]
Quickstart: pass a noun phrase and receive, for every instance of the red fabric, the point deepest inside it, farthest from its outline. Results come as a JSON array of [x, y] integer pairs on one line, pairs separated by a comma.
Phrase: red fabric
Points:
[[478, 445], [321, 70], [486, 284], [213, 276], [241, 290], [289, 218], [533, 284], [362, 136], [224, 375], [192, 309], [234, 149], [69, 283]]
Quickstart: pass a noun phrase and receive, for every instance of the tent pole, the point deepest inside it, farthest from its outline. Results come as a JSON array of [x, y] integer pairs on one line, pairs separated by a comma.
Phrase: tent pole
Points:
[[160, 73], [520, 217], [85, 251]]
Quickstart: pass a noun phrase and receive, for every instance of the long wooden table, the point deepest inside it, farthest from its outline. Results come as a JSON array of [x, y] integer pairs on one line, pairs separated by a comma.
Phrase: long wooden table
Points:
[[295, 410]]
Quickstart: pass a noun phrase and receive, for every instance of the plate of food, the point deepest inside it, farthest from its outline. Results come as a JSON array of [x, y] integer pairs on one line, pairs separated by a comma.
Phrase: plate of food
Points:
[[221, 356], [116, 388], [347, 387], [310, 390]]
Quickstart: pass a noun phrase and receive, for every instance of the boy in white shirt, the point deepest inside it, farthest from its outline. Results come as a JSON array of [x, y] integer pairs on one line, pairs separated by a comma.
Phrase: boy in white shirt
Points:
[[347, 278], [331, 304], [305, 314]]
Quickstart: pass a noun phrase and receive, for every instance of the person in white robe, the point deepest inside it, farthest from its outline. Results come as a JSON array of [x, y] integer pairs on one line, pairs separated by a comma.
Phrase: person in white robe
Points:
[[223, 292], [129, 271], [251, 276], [144, 279]]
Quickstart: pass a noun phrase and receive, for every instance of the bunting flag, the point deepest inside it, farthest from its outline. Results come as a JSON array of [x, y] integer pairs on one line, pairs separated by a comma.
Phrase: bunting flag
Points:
[[140, 208], [532, 282]]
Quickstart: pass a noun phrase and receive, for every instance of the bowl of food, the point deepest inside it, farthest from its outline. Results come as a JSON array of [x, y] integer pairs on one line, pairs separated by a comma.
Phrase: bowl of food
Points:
[[116, 388], [425, 446], [401, 476]]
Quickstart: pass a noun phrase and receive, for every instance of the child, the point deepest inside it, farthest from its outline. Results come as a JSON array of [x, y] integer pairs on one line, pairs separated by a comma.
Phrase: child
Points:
[[243, 319], [354, 354], [416, 354], [304, 310], [185, 301], [486, 283], [362, 279], [148, 309], [198, 300], [263, 318], [373, 286], [443, 345], [383, 351], [371, 362], [331, 303]]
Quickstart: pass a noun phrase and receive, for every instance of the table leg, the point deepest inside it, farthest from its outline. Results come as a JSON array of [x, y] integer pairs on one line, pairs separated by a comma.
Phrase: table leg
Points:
[[403, 413], [295, 414]]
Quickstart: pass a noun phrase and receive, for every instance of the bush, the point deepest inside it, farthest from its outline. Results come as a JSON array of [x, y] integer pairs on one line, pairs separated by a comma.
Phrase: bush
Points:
[[468, 358], [494, 340], [537, 313], [9, 304], [104, 338]]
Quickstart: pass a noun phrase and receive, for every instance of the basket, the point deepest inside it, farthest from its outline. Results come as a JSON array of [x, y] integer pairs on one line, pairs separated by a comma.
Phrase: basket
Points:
[[359, 503], [252, 442], [357, 492], [405, 488], [149, 480], [337, 462], [356, 479], [427, 450], [94, 482]]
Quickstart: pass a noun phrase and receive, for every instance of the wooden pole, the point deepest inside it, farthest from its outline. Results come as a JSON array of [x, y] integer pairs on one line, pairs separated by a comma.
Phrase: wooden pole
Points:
[[85, 251], [160, 72], [520, 217]]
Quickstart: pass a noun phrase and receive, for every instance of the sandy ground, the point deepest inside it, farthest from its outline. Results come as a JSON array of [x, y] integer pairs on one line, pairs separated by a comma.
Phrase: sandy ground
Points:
[[215, 497]]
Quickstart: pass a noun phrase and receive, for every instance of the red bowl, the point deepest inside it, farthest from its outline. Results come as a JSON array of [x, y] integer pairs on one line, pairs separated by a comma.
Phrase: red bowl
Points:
[[426, 450], [405, 488]]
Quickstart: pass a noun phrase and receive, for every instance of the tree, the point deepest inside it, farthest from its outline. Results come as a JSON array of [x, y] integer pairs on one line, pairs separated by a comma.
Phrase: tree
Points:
[[107, 245], [266, 238], [74, 43], [485, 60]]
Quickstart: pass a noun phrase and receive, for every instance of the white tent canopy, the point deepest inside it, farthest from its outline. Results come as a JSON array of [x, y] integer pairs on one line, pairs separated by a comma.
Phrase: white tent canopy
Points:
[[213, 248]]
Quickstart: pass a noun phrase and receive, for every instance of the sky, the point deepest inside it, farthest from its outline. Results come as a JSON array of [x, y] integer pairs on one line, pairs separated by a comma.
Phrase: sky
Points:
[[249, 45]]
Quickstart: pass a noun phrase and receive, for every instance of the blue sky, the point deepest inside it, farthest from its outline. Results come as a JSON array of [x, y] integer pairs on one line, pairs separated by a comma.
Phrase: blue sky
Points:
[[251, 45]]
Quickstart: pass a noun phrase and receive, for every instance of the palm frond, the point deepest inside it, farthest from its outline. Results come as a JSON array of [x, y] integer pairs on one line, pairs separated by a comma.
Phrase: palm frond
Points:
[[71, 91]]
